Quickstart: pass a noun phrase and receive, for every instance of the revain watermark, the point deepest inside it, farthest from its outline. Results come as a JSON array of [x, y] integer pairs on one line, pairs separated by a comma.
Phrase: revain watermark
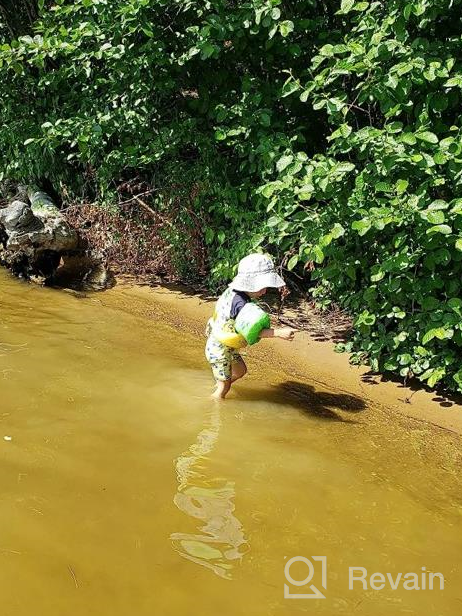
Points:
[[358, 579]]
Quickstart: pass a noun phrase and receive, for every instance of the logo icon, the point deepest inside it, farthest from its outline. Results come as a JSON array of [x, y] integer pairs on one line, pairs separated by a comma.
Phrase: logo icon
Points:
[[315, 592]]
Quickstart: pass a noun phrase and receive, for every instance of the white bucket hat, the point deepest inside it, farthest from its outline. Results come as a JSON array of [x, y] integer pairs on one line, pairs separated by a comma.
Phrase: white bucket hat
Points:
[[256, 272]]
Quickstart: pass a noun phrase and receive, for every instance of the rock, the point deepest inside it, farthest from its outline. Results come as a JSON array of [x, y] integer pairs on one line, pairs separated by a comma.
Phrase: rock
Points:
[[41, 204], [17, 217], [34, 236], [21, 193], [37, 242], [38, 227]]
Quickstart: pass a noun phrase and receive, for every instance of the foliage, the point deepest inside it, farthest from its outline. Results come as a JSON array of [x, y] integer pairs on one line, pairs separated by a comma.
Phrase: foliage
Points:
[[391, 89], [328, 132]]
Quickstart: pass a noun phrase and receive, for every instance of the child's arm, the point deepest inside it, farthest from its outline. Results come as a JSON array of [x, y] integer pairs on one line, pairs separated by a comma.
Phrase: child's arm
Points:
[[286, 333]]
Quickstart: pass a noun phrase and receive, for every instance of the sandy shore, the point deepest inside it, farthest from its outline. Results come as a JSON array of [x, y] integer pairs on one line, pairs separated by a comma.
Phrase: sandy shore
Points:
[[307, 357]]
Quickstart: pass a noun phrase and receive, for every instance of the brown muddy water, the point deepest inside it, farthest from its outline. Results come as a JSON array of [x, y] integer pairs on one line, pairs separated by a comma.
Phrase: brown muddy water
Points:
[[125, 490]]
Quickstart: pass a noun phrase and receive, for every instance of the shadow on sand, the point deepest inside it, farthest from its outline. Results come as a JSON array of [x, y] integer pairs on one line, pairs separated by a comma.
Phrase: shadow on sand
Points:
[[410, 387], [305, 398]]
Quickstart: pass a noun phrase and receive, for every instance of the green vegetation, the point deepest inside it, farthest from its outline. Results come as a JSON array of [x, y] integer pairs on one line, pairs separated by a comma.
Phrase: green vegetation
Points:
[[326, 132]]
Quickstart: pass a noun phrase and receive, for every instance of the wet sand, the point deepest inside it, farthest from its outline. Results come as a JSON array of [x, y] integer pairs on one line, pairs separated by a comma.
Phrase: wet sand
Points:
[[306, 357]]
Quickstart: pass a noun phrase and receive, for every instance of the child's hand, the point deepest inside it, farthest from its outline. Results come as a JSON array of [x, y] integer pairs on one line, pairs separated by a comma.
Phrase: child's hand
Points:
[[286, 333]]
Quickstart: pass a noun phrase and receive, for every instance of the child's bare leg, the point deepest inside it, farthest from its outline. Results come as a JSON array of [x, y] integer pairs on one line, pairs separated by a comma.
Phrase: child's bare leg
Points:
[[238, 369], [222, 389]]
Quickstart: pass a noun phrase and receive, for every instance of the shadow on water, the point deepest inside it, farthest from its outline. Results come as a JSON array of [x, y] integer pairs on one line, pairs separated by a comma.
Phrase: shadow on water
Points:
[[305, 398]]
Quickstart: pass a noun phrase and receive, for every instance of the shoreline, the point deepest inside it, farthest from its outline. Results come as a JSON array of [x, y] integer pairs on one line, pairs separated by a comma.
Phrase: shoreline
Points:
[[307, 357]]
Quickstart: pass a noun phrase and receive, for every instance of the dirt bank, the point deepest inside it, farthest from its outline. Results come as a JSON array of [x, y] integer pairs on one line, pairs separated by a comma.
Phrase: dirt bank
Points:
[[309, 357]]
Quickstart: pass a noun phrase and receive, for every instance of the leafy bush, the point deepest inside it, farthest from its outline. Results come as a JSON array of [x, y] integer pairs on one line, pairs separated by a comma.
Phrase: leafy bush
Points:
[[328, 132], [391, 237]]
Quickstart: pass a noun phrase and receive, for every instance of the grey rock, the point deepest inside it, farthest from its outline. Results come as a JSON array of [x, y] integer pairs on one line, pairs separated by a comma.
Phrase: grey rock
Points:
[[42, 205], [37, 242], [17, 216], [39, 227]]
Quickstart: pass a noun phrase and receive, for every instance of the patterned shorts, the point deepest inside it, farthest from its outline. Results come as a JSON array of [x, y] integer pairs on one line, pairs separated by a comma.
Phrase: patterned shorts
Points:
[[220, 358]]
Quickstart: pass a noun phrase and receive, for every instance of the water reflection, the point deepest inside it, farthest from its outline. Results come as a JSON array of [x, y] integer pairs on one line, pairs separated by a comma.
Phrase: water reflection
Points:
[[219, 542], [6, 348]]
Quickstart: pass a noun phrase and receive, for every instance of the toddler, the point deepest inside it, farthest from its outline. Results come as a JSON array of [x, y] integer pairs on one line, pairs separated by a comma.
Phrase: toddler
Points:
[[256, 273]]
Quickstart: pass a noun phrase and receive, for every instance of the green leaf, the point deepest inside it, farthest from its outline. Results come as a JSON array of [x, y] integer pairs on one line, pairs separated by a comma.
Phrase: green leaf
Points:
[[276, 13], [401, 186], [343, 131], [286, 27], [361, 226], [394, 127], [405, 359], [327, 50], [268, 189], [458, 378], [265, 119], [292, 262], [366, 318], [383, 187], [456, 206], [220, 134], [440, 158], [207, 50], [433, 375], [434, 217], [427, 136], [407, 11], [345, 167], [438, 204], [306, 192], [377, 273], [361, 6], [209, 235], [453, 81], [318, 254], [398, 313], [346, 5], [437, 332], [284, 162], [458, 244], [289, 88], [444, 229], [337, 231], [326, 240], [455, 303], [273, 221], [408, 138], [319, 104]]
